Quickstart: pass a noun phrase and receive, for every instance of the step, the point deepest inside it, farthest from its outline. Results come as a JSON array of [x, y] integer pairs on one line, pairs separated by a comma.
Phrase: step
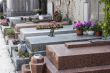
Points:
[[96, 69], [64, 58]]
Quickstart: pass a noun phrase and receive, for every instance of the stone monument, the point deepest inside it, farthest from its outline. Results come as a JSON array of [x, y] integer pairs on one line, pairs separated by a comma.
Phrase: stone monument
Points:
[[50, 8]]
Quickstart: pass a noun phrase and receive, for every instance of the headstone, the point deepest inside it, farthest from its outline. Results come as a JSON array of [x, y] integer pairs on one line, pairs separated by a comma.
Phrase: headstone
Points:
[[50, 8], [86, 11]]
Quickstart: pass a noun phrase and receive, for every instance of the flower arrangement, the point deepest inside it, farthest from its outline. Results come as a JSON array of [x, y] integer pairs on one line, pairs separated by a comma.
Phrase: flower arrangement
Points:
[[85, 26], [4, 22], [57, 16], [51, 25], [79, 25], [89, 26], [98, 29]]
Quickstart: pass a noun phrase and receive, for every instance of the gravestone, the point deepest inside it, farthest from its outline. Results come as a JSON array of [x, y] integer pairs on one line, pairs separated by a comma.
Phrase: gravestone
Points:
[[50, 8], [86, 11]]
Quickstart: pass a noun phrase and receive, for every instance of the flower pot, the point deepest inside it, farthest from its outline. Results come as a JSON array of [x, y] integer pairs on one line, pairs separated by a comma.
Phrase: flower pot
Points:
[[90, 32], [84, 33], [98, 33], [79, 32]]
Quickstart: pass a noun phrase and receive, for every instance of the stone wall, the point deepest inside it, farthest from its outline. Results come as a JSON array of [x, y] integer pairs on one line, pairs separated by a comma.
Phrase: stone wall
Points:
[[21, 7], [75, 8]]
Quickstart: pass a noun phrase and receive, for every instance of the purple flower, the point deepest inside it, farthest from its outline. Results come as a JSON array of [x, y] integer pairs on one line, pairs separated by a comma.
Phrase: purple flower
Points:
[[89, 24], [93, 24], [78, 25], [84, 25]]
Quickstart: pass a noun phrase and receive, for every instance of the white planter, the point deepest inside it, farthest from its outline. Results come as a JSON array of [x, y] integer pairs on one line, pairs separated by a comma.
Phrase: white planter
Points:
[[85, 32], [90, 32], [41, 17]]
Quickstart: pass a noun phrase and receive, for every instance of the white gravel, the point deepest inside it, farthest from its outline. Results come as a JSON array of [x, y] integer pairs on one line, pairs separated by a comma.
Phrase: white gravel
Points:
[[6, 65]]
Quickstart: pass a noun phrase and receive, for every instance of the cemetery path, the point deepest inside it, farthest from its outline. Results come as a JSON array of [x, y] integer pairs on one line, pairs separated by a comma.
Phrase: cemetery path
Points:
[[6, 65]]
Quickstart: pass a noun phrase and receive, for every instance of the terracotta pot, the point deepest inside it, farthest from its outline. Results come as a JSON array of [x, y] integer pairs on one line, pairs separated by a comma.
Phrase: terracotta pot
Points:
[[98, 33], [37, 59], [79, 32]]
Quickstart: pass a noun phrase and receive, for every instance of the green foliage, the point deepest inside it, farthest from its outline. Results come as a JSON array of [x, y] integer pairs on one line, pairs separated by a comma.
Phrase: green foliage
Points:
[[23, 54], [98, 26], [10, 32], [106, 22], [1, 17]]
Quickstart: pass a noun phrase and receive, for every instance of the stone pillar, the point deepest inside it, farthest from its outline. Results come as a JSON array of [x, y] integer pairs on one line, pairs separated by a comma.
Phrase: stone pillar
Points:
[[50, 8], [9, 7], [37, 64], [95, 10], [86, 11], [4, 7]]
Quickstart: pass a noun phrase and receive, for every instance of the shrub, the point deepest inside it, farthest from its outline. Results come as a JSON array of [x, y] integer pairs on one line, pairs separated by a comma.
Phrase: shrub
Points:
[[1, 17], [10, 32]]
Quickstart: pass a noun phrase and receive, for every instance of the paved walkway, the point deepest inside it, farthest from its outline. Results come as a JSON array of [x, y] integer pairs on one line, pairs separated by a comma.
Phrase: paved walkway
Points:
[[6, 65]]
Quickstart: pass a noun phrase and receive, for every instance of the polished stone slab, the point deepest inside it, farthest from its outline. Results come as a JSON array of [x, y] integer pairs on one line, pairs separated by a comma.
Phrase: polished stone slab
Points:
[[78, 57], [28, 32], [40, 42], [95, 69]]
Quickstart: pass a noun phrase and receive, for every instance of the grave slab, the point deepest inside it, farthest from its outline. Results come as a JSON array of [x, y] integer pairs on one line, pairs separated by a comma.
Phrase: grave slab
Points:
[[78, 57], [28, 32], [40, 42]]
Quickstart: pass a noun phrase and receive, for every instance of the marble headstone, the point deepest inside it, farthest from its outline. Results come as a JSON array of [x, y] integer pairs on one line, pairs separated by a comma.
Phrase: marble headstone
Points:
[[50, 8]]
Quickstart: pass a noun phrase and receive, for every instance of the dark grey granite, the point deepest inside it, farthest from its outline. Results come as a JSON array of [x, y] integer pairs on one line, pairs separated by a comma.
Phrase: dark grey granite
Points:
[[40, 42]]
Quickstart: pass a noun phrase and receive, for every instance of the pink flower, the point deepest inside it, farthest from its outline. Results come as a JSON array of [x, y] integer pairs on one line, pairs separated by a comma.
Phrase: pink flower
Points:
[[78, 25]]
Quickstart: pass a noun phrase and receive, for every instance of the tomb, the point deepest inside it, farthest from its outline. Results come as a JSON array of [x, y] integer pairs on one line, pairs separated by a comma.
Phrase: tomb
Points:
[[39, 42], [28, 32], [90, 57], [32, 25], [86, 59]]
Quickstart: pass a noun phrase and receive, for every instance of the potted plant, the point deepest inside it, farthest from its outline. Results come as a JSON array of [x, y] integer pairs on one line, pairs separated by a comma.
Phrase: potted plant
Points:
[[79, 28], [23, 54], [2, 17], [98, 29], [89, 27], [106, 23], [10, 33]]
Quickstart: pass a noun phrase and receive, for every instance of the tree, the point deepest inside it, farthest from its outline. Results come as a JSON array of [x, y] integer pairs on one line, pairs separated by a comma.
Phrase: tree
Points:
[[106, 22]]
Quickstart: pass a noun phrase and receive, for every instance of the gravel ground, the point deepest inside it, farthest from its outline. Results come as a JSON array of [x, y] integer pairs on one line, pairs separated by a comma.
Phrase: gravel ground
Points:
[[6, 65]]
